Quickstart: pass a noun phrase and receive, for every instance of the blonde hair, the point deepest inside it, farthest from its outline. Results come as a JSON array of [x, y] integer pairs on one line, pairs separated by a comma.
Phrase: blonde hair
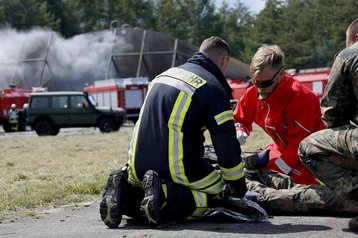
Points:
[[266, 55]]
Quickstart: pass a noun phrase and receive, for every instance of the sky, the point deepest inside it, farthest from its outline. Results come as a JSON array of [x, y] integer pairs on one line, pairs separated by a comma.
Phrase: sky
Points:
[[255, 6]]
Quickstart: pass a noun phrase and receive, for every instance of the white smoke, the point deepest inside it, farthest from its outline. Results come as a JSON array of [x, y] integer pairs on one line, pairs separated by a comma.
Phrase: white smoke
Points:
[[41, 57]]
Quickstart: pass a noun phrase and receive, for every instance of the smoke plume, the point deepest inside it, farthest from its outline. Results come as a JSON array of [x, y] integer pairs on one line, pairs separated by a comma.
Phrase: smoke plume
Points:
[[42, 58]]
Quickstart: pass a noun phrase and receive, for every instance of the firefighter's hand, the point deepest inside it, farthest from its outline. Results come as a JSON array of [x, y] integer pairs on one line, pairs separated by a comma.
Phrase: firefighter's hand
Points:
[[229, 191], [241, 136]]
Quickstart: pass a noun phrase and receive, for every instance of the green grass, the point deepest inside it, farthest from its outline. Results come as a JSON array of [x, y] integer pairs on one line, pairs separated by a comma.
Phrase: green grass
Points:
[[40, 173]]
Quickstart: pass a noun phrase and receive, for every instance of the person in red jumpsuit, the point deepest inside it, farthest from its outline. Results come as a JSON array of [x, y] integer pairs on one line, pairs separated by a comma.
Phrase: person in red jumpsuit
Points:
[[284, 108]]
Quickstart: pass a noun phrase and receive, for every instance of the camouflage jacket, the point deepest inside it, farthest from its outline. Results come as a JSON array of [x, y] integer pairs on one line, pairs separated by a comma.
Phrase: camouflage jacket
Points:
[[339, 102]]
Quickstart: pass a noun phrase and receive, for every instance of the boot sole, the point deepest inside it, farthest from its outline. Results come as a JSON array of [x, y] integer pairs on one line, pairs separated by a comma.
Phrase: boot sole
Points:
[[110, 209], [150, 207]]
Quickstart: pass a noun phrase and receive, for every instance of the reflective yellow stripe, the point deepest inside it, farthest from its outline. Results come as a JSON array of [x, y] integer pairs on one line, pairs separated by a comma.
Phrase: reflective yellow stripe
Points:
[[175, 149], [212, 184], [201, 202], [198, 213], [224, 117], [186, 76], [320, 182], [173, 82], [234, 173], [132, 175], [204, 182], [165, 190], [215, 188]]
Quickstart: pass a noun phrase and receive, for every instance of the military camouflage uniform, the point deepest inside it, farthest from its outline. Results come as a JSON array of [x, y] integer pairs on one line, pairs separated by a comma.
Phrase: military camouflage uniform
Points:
[[281, 196], [332, 154]]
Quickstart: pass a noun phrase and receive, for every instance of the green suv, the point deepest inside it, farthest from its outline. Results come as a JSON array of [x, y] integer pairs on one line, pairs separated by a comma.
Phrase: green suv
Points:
[[47, 112]]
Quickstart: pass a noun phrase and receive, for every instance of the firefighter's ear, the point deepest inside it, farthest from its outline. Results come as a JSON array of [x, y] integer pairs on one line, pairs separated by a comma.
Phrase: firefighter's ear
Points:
[[226, 60], [356, 37], [224, 64]]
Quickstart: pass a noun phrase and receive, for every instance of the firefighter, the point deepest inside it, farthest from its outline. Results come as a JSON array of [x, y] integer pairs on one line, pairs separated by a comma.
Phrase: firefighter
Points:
[[13, 117], [286, 110], [331, 154], [165, 154]]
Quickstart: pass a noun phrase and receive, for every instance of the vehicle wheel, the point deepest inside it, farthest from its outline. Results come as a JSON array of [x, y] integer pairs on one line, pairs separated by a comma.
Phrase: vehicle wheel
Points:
[[134, 119], [55, 131], [7, 126], [108, 125], [43, 128]]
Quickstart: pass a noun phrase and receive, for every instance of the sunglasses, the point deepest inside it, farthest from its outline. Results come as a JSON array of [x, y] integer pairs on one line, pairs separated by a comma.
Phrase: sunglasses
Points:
[[267, 83]]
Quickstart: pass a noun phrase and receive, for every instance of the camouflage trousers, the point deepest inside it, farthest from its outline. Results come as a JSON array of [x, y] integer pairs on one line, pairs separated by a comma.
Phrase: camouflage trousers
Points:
[[332, 156], [281, 196]]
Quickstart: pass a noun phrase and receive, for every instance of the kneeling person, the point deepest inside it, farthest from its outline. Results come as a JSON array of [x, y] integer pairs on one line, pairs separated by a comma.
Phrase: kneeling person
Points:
[[165, 154]]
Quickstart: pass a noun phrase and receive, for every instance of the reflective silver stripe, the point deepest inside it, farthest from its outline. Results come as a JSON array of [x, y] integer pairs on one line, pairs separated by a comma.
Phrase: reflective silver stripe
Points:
[[216, 188], [201, 204], [283, 166], [182, 86], [132, 148], [200, 198], [206, 181], [177, 162], [224, 117], [186, 76], [175, 149], [234, 173]]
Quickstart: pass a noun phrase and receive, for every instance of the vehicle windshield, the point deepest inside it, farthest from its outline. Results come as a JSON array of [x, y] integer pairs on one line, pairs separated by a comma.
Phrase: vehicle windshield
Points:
[[92, 100]]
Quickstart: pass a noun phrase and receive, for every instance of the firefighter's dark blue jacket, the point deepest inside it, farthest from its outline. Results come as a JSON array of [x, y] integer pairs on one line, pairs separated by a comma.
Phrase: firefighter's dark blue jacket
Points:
[[168, 137]]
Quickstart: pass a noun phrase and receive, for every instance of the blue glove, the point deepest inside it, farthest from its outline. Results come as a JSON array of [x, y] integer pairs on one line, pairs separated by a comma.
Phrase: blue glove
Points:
[[257, 161], [253, 196]]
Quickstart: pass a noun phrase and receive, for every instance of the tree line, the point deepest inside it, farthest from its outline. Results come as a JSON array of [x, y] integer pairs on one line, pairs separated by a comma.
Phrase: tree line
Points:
[[310, 32]]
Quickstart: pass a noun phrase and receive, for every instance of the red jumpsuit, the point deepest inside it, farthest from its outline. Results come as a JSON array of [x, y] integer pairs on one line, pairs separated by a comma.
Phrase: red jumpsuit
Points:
[[288, 115]]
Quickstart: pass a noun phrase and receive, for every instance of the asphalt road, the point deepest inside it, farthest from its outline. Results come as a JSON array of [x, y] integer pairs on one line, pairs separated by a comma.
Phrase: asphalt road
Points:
[[84, 221], [63, 131]]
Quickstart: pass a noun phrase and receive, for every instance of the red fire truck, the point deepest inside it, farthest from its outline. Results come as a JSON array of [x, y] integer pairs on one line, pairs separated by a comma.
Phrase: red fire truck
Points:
[[8, 97], [127, 93], [315, 79]]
